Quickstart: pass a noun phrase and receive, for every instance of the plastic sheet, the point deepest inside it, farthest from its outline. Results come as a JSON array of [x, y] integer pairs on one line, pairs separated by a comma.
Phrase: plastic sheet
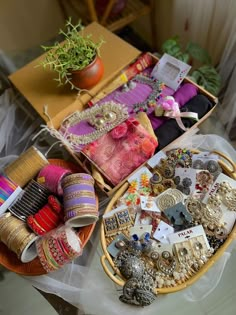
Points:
[[16, 127]]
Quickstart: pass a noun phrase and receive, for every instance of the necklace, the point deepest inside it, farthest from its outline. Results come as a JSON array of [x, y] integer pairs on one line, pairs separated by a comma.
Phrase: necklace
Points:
[[102, 118], [150, 101]]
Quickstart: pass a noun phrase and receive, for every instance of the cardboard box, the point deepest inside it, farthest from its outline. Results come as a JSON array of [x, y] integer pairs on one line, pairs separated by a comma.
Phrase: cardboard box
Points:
[[86, 164]]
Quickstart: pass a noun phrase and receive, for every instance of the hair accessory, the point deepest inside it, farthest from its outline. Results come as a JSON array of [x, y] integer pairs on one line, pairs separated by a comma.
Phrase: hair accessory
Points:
[[102, 117]]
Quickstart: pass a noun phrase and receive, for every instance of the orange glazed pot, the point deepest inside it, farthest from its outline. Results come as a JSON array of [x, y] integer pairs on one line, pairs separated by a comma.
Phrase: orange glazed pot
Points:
[[89, 76]]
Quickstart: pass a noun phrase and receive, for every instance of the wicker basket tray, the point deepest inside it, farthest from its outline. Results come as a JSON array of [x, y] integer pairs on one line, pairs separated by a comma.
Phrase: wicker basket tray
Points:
[[114, 274], [9, 260]]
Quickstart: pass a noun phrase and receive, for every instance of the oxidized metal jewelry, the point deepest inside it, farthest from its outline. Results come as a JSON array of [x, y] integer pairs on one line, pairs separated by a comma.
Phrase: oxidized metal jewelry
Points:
[[138, 292], [155, 185], [168, 183], [213, 167], [198, 164], [129, 264], [104, 117], [186, 182]]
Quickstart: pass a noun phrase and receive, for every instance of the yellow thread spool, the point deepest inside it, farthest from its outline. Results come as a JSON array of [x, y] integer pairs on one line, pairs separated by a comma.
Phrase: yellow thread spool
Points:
[[26, 166]]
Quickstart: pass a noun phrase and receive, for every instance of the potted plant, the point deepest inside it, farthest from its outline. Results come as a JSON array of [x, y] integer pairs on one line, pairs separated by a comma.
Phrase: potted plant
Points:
[[205, 75], [77, 60]]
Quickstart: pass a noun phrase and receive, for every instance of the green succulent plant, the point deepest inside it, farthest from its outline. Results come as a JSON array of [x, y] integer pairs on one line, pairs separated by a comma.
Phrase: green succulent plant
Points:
[[206, 75], [75, 53]]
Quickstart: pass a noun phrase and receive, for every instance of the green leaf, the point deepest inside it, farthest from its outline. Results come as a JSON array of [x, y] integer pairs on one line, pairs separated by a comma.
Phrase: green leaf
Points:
[[208, 77], [198, 53]]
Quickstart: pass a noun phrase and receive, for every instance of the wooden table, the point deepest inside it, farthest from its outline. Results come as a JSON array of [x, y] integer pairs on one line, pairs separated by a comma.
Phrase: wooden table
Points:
[[38, 87]]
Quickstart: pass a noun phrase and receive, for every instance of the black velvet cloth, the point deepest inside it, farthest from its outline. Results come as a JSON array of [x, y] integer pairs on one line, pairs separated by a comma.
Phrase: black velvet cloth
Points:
[[170, 130]]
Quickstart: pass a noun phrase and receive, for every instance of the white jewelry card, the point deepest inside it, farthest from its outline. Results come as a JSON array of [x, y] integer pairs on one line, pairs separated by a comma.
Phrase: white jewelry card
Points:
[[155, 159], [139, 230], [149, 204], [162, 231], [221, 178], [188, 234], [137, 175], [170, 71]]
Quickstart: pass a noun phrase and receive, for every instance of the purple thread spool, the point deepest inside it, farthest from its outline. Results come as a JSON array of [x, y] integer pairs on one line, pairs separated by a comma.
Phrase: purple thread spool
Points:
[[79, 200]]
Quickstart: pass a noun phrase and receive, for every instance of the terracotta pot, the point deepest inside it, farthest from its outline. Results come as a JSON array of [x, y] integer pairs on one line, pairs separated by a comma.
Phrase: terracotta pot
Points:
[[89, 76]]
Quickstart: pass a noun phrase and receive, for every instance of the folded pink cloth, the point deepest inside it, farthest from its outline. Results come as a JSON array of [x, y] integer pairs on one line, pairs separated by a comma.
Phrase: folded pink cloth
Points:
[[119, 152]]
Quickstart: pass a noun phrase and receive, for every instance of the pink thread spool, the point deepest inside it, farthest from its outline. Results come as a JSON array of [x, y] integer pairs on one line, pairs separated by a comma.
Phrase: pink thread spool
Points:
[[51, 176]]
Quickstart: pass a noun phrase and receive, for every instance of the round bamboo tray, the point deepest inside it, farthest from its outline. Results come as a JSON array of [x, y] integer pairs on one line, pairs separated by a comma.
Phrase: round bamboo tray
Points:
[[9, 260], [113, 272]]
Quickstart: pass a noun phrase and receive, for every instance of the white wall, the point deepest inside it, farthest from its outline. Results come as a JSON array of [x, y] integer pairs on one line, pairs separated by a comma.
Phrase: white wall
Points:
[[27, 23]]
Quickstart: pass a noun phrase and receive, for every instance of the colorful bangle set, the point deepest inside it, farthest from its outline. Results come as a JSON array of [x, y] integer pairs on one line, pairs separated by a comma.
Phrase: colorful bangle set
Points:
[[51, 176], [33, 198], [47, 218], [58, 248], [80, 205]]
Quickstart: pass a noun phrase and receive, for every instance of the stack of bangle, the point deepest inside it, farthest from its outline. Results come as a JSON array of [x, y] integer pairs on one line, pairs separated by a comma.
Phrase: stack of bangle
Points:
[[79, 199], [26, 166], [51, 176], [17, 237], [33, 198], [58, 247], [47, 218]]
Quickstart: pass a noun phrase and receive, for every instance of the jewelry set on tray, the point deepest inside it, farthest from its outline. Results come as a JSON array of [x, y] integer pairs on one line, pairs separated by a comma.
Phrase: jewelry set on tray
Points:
[[175, 215]]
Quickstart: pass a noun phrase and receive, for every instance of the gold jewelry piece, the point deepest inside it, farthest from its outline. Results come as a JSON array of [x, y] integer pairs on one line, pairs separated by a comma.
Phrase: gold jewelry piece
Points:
[[104, 117], [165, 201]]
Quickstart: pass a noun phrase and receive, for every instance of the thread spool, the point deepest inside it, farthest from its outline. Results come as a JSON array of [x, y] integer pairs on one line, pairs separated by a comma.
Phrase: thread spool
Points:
[[26, 166], [17, 237], [47, 218], [58, 247], [51, 176], [79, 200], [33, 198]]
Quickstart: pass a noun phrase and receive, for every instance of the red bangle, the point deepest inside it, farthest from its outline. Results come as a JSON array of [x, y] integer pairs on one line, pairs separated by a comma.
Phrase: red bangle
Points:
[[46, 216], [47, 226], [35, 226], [50, 212], [54, 203]]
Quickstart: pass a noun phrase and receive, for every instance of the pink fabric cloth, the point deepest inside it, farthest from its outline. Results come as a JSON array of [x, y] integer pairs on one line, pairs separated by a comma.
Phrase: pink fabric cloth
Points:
[[119, 152]]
